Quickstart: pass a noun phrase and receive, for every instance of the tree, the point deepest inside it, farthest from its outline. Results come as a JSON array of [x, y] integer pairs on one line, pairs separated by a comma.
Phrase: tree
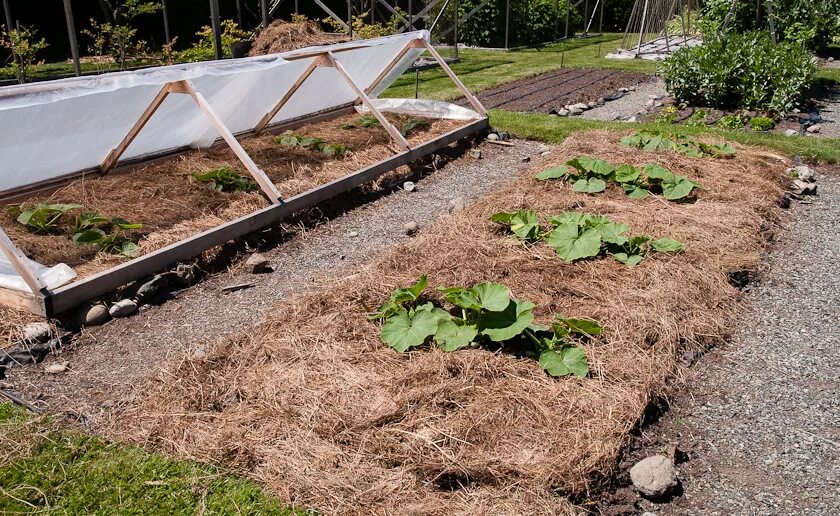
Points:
[[24, 45], [117, 37]]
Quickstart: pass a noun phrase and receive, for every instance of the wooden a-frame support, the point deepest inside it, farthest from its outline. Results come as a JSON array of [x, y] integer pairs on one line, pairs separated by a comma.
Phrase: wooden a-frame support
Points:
[[185, 87]]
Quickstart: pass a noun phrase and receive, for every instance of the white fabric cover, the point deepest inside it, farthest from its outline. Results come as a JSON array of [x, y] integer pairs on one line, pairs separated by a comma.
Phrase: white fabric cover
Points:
[[52, 129], [422, 107], [53, 277]]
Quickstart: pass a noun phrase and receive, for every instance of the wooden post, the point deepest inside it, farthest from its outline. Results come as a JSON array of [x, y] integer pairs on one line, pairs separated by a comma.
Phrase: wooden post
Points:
[[114, 156], [71, 31], [390, 65], [264, 13], [21, 264], [259, 176], [282, 102], [215, 22], [507, 23], [460, 85], [395, 135]]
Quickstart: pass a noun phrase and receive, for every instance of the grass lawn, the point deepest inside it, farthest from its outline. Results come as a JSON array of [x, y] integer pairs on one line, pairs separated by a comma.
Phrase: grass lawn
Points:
[[44, 468], [554, 129], [482, 69]]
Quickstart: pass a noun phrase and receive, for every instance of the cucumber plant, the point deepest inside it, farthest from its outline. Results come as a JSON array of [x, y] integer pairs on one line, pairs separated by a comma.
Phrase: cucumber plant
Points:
[[484, 314], [682, 144], [576, 236], [292, 139], [225, 180], [362, 121], [591, 175], [43, 218]]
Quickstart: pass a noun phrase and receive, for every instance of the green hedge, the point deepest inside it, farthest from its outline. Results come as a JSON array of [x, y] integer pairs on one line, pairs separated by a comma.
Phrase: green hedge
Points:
[[732, 71]]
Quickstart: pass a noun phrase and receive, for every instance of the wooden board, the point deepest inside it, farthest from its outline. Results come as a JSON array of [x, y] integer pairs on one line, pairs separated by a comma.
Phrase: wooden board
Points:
[[70, 296]]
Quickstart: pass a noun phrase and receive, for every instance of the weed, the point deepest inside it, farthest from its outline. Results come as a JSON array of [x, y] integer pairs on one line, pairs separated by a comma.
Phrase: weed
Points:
[[762, 123], [730, 122]]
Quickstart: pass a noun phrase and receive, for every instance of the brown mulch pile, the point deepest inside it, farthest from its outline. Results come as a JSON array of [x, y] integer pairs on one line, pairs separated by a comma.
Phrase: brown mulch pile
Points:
[[311, 404], [283, 36], [172, 205]]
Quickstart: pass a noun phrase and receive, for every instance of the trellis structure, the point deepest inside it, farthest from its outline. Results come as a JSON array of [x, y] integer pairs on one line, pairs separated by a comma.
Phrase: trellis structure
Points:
[[647, 35], [50, 134]]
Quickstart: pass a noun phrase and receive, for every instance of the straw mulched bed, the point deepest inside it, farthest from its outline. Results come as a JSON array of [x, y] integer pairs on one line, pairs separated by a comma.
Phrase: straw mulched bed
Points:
[[312, 404], [11, 323], [173, 206], [283, 36]]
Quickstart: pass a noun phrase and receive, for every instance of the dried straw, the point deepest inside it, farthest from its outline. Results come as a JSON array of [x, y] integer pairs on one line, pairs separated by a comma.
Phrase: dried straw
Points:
[[283, 36], [311, 404]]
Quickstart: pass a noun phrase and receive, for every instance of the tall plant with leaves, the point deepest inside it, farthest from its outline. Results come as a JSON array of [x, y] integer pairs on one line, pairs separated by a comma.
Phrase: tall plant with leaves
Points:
[[484, 314], [24, 45], [117, 36]]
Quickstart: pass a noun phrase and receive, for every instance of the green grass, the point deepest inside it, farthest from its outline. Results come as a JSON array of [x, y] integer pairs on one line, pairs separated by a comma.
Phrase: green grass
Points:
[[554, 129], [483, 69], [50, 470]]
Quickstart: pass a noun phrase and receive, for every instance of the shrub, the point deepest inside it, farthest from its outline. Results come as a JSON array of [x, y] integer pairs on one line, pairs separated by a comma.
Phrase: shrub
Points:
[[740, 71], [24, 45], [730, 122], [762, 123], [203, 50]]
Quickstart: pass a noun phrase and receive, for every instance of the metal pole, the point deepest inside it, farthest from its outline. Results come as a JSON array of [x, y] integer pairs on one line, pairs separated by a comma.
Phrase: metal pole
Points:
[[166, 33], [507, 23], [642, 28], [264, 12], [410, 16], [297, 7], [350, 17], [8, 13], [239, 13], [215, 22], [71, 30], [568, 14], [456, 29], [601, 20], [586, 17]]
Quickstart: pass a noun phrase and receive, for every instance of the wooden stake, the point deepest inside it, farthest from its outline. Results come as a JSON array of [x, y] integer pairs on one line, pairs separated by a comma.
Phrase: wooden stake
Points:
[[282, 102], [114, 156], [21, 264], [460, 85]]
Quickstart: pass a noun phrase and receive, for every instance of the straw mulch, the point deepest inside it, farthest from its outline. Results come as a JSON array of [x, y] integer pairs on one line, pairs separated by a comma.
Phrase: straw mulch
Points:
[[172, 205], [283, 36], [311, 404], [12, 321]]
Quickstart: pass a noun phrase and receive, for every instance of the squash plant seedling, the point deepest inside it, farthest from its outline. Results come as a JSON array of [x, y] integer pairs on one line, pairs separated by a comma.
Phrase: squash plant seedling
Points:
[[225, 180], [362, 121], [576, 236], [482, 315], [292, 139], [591, 175], [656, 140], [43, 218], [413, 124]]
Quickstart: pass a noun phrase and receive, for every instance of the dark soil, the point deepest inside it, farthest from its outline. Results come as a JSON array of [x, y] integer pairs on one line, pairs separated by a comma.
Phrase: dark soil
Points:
[[553, 90]]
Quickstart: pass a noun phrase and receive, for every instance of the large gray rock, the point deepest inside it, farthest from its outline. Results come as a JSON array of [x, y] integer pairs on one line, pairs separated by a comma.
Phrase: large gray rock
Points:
[[151, 288], [37, 332], [258, 264], [563, 112], [123, 308], [655, 476], [803, 172], [574, 110], [95, 315], [791, 132], [803, 187], [814, 129]]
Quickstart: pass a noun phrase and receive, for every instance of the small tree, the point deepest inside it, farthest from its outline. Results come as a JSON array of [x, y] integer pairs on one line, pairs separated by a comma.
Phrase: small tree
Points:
[[24, 45], [117, 37]]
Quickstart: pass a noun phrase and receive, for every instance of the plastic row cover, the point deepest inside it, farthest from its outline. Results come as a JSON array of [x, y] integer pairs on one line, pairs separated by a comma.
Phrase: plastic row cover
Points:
[[53, 129]]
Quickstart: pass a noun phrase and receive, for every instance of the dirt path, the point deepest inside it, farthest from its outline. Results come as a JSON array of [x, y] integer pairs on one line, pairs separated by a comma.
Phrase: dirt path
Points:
[[134, 347], [761, 416]]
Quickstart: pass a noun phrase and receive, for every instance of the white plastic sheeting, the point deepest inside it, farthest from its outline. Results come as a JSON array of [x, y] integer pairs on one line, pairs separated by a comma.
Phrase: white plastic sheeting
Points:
[[53, 129], [422, 107], [53, 277]]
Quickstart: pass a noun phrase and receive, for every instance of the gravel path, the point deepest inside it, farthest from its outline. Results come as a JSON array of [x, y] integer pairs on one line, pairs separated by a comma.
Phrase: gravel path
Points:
[[630, 105], [830, 114], [761, 418], [201, 315]]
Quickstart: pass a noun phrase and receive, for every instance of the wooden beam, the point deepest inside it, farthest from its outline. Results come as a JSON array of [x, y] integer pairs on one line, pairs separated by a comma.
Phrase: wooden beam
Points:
[[460, 85], [388, 67], [23, 301], [395, 134], [70, 296], [282, 102], [259, 176], [21, 264], [114, 156]]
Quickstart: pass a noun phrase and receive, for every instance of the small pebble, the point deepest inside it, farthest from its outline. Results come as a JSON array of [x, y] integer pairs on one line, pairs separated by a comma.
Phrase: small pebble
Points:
[[493, 136], [56, 368], [353, 234], [123, 308], [791, 132], [409, 186], [814, 129], [526, 159], [258, 264], [411, 228], [455, 205], [476, 153]]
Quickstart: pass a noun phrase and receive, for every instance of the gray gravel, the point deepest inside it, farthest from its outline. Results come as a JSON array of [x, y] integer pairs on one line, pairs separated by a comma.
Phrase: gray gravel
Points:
[[830, 113], [135, 347], [631, 104], [761, 419]]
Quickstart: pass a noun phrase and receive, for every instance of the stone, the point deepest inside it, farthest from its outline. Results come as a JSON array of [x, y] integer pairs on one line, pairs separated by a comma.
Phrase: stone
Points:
[[631, 119], [582, 106], [151, 288], [455, 205], [258, 264], [574, 110], [56, 368], [409, 186], [648, 514], [804, 188], [591, 105], [658, 104], [601, 101], [411, 228], [814, 129], [543, 148], [95, 315], [123, 308], [37, 332], [804, 172], [185, 274], [476, 153], [652, 97], [631, 88], [503, 135], [493, 136], [624, 90], [526, 159], [353, 234], [650, 103], [655, 476], [830, 59], [791, 132], [563, 112]]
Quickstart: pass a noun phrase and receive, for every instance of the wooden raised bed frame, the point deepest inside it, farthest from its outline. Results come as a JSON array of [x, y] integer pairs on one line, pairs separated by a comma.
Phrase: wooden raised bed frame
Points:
[[47, 303]]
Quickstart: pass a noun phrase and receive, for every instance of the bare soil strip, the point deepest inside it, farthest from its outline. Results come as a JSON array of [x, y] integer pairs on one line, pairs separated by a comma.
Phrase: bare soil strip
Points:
[[311, 403]]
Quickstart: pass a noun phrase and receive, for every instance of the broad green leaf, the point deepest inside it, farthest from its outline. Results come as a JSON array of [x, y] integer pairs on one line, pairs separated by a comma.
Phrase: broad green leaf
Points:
[[723, 148], [90, 236], [130, 249], [596, 166], [492, 296], [666, 245], [570, 217], [627, 173], [465, 298], [569, 360], [578, 325], [632, 141], [401, 295], [629, 259], [658, 172], [525, 224], [573, 243], [553, 173], [678, 187], [503, 216], [124, 224], [613, 232], [591, 185], [636, 192], [401, 331], [451, 336], [508, 323]]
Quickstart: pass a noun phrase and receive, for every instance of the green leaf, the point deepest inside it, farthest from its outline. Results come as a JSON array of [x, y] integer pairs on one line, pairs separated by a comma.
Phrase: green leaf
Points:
[[553, 173], [666, 245], [578, 325], [492, 296], [632, 141], [130, 249], [90, 236], [401, 295], [629, 259], [597, 166], [569, 360], [452, 336], [124, 224], [461, 297], [570, 217], [627, 173], [525, 225], [612, 232], [724, 149], [676, 188], [402, 331], [506, 324], [658, 172], [573, 242], [591, 185], [636, 192]]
